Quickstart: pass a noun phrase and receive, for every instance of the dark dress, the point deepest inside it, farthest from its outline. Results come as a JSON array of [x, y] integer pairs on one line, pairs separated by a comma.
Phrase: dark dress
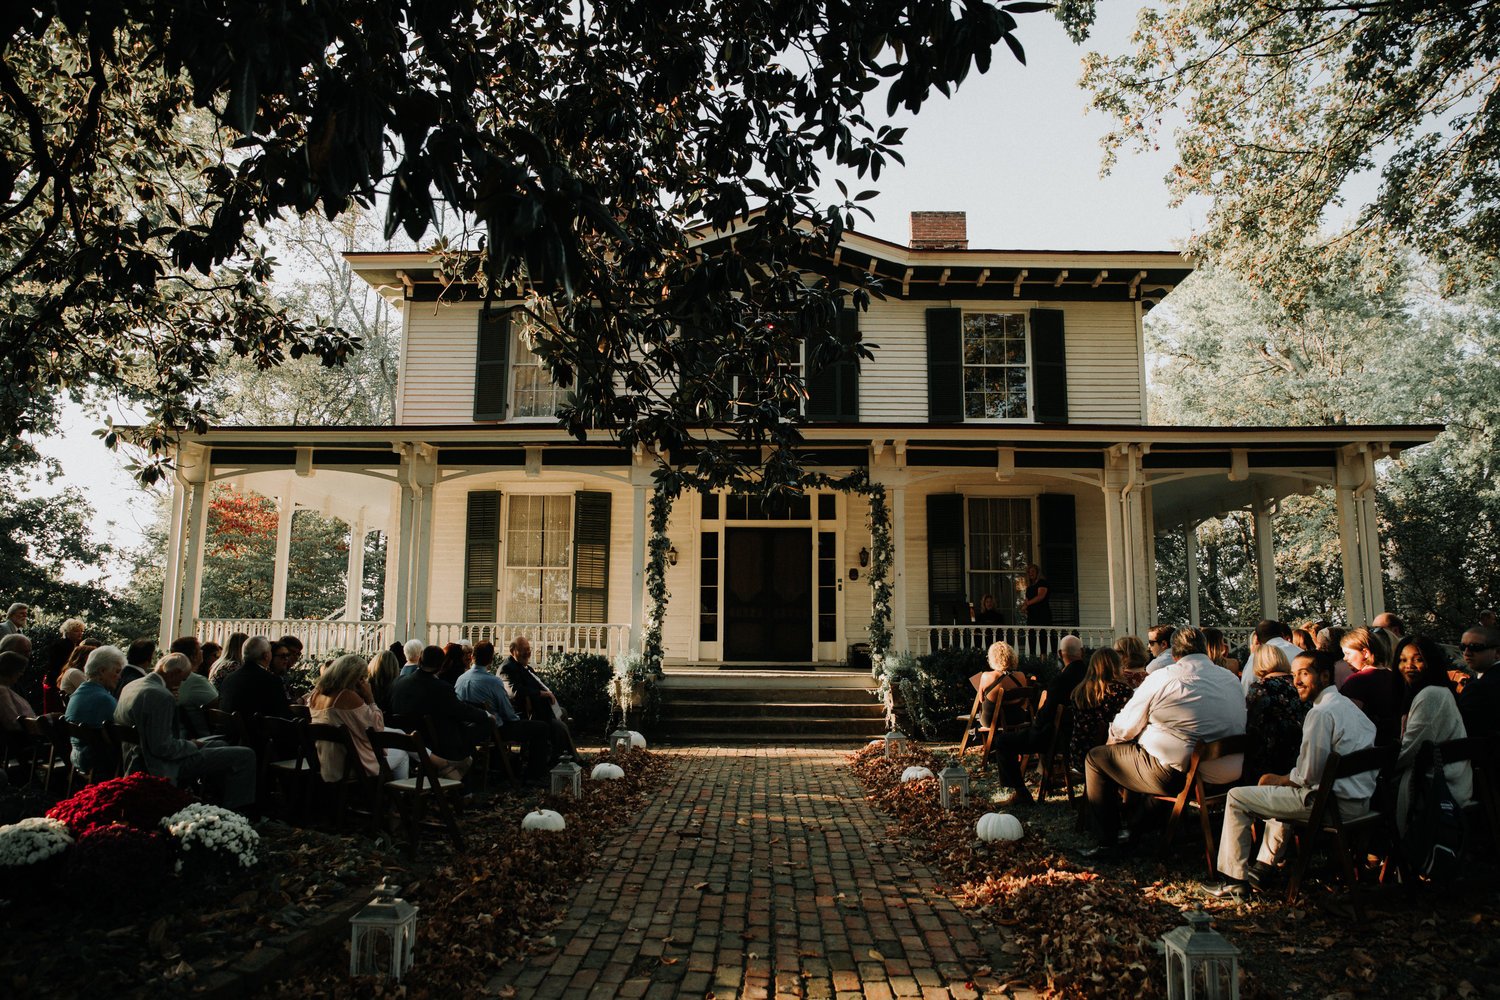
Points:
[[1091, 725], [1039, 613], [1273, 727], [1381, 694]]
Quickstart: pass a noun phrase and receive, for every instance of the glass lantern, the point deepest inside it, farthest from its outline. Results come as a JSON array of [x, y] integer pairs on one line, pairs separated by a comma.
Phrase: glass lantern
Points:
[[1201, 965], [895, 743], [383, 935], [567, 779], [953, 780], [619, 741]]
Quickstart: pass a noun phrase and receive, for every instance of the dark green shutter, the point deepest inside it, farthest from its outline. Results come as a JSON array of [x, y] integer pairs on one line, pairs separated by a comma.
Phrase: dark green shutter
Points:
[[491, 359], [482, 556], [833, 390], [946, 593], [1059, 554], [1049, 367], [591, 557], [945, 366]]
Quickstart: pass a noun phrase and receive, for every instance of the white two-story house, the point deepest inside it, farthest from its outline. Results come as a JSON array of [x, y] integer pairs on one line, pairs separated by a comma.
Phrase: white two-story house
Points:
[[1004, 410]]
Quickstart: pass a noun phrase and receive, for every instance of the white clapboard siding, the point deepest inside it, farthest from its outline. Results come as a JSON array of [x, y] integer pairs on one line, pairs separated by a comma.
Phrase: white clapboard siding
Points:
[[449, 525], [438, 383], [1104, 373], [1093, 562]]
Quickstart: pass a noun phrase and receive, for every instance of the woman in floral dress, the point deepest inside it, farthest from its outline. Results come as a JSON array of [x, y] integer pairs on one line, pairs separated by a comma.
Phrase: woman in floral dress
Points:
[[1274, 715], [1097, 699]]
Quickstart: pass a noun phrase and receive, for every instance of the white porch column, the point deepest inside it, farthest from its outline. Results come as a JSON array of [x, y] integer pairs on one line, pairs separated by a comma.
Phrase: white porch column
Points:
[[1138, 543], [403, 542], [171, 591], [1190, 550], [424, 474], [1369, 544], [897, 502], [1116, 552], [392, 563], [354, 580], [1350, 557], [286, 506], [1265, 558], [638, 555], [1148, 527], [195, 468], [1126, 534]]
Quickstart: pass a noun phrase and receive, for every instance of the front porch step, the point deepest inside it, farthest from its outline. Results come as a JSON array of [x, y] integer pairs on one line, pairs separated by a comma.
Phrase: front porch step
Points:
[[706, 705]]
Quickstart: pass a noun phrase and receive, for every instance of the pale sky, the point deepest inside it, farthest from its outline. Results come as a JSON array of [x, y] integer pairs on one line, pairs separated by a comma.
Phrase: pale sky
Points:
[[1013, 148]]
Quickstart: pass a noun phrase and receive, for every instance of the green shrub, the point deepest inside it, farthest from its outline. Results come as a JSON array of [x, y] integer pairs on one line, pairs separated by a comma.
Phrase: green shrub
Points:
[[581, 683]]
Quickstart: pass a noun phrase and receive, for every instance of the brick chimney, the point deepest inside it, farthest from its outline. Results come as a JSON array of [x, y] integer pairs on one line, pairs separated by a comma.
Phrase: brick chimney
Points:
[[939, 231]]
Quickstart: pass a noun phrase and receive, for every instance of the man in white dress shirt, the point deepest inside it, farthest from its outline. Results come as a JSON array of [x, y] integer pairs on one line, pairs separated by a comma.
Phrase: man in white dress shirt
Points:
[[1334, 724], [1151, 741]]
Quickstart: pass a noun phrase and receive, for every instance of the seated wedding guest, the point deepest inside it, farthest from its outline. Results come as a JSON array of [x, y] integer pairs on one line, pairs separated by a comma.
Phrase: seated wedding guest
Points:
[[1218, 650], [531, 696], [1480, 702], [15, 619], [1159, 645], [456, 727], [1097, 699], [342, 697], [1274, 716], [414, 649], [1377, 689], [229, 659], [1303, 640], [988, 612], [1133, 654], [293, 647], [454, 663], [211, 653], [151, 707], [256, 689], [138, 657], [1151, 741], [70, 634], [384, 667], [72, 674], [1003, 677], [1014, 743], [13, 707], [1329, 639], [1268, 632], [1334, 724], [195, 693], [1433, 716], [94, 703], [477, 686]]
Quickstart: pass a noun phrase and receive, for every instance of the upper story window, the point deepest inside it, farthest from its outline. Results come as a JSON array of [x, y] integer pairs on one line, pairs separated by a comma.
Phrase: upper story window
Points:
[[532, 393], [996, 366]]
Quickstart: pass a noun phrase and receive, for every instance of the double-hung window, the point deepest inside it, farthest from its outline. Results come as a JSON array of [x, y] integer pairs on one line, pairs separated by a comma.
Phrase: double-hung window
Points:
[[1000, 547], [532, 393], [538, 557], [996, 366]]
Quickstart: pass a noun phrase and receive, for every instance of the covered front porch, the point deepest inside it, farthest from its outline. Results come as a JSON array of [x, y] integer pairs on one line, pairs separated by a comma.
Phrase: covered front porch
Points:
[[1087, 502]]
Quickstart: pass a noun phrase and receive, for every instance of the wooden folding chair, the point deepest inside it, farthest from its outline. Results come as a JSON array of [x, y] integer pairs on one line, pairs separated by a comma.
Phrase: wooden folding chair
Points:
[[103, 751], [354, 777], [411, 795], [229, 725], [1475, 750], [286, 762], [1196, 795], [54, 729], [1325, 820], [504, 754], [42, 762], [1021, 700], [1053, 768]]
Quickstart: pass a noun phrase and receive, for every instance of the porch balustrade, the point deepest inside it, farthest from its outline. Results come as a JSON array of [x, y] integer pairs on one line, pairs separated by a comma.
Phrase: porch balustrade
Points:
[[318, 636], [1028, 640], [546, 640]]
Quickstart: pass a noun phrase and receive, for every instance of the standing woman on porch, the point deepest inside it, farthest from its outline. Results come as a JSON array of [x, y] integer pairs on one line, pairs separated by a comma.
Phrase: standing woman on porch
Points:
[[1038, 607]]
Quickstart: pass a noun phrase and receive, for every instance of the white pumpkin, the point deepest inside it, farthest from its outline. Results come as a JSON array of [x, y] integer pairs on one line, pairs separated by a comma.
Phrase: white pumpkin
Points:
[[544, 819], [606, 772], [915, 773], [637, 741], [999, 826]]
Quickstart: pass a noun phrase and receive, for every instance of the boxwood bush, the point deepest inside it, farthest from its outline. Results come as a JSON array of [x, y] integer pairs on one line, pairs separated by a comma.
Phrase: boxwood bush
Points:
[[581, 683]]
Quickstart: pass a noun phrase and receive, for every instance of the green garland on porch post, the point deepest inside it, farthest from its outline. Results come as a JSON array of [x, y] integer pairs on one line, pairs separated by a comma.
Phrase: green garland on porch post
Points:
[[657, 543], [882, 554]]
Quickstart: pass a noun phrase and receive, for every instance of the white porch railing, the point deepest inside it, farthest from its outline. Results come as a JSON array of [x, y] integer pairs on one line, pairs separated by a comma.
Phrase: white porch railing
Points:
[[318, 636], [546, 640], [1028, 640]]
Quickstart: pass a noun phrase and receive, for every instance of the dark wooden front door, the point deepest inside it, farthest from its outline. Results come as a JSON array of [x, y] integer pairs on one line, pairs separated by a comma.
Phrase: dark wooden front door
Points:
[[768, 594]]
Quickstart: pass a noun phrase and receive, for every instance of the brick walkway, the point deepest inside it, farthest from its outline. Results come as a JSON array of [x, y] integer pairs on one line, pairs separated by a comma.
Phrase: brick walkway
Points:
[[759, 872]]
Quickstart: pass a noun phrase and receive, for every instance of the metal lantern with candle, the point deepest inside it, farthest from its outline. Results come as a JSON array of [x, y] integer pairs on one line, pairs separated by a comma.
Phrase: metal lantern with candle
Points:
[[1201, 964], [895, 743], [383, 935], [567, 779], [953, 781], [619, 741]]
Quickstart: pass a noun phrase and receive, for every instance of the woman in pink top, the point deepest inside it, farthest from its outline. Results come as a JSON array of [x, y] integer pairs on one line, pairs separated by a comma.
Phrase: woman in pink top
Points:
[[342, 697]]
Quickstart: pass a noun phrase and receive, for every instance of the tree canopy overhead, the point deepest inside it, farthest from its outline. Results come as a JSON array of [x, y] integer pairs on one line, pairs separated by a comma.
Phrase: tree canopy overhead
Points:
[[1281, 105], [143, 143]]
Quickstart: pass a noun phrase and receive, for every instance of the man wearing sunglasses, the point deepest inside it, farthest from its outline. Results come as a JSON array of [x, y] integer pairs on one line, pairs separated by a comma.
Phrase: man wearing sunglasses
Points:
[[1479, 703]]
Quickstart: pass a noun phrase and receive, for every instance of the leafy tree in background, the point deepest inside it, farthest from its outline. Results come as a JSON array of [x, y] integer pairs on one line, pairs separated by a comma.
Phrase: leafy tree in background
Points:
[[582, 142], [1277, 108], [1228, 354]]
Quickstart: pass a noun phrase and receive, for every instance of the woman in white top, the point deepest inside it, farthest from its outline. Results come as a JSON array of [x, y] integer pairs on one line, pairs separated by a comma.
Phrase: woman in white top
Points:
[[1432, 718]]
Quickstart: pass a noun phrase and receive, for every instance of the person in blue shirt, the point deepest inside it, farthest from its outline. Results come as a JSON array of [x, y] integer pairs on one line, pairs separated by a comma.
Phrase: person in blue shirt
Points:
[[478, 686], [93, 704]]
